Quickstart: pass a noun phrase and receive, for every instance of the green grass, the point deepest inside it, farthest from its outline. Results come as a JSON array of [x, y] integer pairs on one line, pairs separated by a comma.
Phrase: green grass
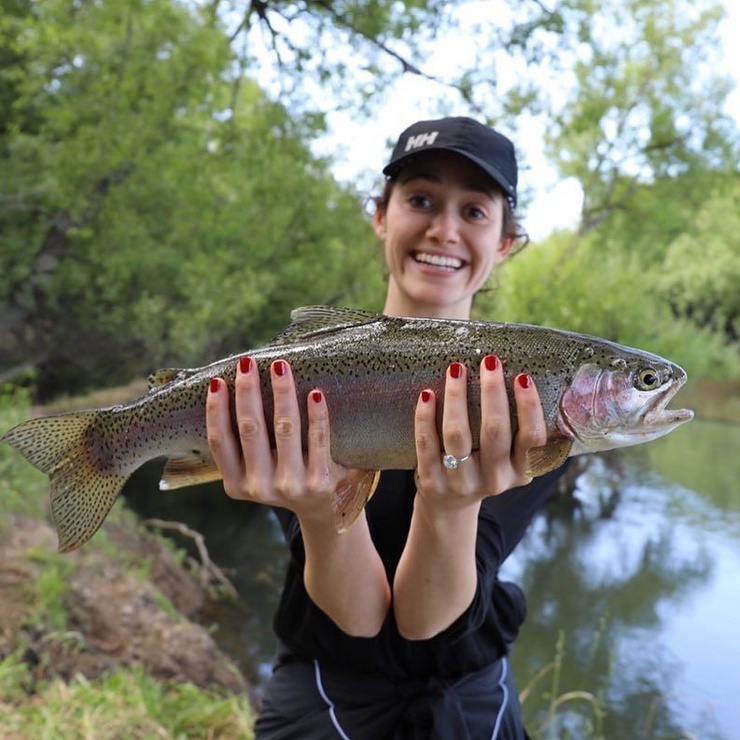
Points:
[[125, 704], [23, 489]]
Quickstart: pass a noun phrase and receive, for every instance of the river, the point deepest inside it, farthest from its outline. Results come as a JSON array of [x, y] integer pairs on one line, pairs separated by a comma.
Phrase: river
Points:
[[633, 586]]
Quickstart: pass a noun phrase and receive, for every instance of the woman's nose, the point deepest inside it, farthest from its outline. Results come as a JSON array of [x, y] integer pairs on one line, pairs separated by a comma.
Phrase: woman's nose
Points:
[[444, 227]]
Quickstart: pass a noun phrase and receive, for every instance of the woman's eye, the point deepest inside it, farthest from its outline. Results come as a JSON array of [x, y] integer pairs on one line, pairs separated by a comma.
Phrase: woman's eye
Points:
[[476, 213], [419, 201]]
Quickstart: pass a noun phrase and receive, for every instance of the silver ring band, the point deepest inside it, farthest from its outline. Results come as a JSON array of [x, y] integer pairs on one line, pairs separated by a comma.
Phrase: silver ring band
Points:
[[452, 463]]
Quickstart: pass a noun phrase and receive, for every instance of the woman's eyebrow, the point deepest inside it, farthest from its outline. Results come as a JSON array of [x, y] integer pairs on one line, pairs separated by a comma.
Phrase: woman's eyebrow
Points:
[[473, 185]]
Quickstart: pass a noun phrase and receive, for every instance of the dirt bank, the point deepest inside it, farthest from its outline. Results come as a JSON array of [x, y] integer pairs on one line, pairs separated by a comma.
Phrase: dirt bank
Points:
[[127, 605]]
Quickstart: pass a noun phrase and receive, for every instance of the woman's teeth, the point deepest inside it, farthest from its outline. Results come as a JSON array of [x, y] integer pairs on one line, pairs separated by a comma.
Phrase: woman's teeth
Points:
[[437, 260]]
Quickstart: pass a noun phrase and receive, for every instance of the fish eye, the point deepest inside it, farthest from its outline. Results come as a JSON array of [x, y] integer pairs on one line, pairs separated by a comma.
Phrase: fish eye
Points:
[[647, 379]]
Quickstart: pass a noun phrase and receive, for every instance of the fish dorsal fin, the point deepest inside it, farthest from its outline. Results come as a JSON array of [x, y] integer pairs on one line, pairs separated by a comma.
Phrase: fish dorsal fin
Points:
[[309, 320], [166, 375]]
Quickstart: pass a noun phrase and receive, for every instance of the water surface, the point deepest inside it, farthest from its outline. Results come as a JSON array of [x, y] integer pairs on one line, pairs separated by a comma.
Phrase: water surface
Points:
[[633, 586]]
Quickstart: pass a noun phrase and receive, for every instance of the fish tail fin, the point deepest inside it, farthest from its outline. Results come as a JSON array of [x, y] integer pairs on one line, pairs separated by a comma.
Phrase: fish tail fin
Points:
[[81, 493]]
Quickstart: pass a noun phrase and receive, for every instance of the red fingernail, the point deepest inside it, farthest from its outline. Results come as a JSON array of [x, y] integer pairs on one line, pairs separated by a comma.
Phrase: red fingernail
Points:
[[490, 362], [215, 385], [456, 370], [244, 364], [316, 396], [280, 367], [426, 396], [524, 380]]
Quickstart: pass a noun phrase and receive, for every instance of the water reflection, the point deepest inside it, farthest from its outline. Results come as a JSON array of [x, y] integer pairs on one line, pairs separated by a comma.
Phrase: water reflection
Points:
[[633, 589], [641, 581]]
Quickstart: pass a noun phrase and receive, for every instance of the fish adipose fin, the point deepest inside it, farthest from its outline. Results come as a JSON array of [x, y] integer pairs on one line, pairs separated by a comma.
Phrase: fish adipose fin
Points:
[[188, 470], [351, 495], [551, 456], [81, 494]]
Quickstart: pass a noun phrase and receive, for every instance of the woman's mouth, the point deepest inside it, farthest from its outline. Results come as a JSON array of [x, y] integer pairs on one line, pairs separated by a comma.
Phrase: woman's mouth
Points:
[[443, 262]]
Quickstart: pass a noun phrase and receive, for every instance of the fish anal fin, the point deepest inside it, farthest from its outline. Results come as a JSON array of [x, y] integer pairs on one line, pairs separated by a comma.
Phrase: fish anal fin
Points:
[[189, 469], [351, 494], [541, 460]]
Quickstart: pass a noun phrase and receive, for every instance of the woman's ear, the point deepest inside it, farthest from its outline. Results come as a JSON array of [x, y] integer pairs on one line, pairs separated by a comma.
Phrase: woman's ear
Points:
[[504, 248], [379, 223]]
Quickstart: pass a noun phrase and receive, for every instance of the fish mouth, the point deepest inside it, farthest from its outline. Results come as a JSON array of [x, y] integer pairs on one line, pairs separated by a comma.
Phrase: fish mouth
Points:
[[441, 261], [657, 416]]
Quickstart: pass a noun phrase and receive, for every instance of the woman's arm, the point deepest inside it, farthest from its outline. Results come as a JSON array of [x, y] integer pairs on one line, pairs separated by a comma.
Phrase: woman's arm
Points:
[[436, 579], [344, 574]]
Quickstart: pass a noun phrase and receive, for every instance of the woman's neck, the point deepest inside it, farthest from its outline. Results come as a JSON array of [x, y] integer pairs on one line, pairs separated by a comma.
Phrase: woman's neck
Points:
[[399, 304]]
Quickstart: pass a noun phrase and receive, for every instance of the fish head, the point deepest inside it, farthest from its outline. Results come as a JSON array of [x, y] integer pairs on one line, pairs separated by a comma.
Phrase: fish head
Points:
[[621, 400]]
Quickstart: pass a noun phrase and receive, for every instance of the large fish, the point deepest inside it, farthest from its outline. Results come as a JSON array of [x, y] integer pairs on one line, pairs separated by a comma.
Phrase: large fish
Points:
[[596, 395]]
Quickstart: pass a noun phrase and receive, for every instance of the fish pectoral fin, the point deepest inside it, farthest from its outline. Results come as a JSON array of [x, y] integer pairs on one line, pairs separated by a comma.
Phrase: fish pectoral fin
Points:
[[351, 495], [541, 460], [190, 469]]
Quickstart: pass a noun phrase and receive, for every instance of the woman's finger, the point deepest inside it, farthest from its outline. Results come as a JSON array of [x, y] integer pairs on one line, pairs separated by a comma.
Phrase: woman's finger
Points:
[[252, 429], [290, 466], [532, 431], [495, 429], [457, 439], [223, 444], [428, 449], [319, 443]]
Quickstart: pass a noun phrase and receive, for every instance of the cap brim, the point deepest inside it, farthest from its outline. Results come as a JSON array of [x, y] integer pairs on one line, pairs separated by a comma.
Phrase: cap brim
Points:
[[393, 168]]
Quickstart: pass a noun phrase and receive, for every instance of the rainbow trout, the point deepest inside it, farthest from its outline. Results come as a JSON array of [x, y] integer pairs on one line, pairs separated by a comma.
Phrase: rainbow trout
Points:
[[596, 395]]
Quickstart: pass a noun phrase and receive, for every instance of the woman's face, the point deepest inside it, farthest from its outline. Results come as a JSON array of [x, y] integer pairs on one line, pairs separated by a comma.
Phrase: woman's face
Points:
[[442, 235]]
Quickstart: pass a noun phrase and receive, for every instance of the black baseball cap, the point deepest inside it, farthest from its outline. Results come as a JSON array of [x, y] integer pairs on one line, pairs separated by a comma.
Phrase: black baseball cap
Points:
[[484, 146]]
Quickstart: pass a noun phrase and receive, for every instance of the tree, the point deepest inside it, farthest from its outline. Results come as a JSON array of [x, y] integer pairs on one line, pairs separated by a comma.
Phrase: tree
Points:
[[149, 214], [645, 103]]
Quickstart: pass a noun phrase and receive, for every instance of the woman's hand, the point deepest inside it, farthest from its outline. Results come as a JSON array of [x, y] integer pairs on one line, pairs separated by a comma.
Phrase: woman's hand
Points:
[[436, 579], [251, 470], [501, 461], [343, 572]]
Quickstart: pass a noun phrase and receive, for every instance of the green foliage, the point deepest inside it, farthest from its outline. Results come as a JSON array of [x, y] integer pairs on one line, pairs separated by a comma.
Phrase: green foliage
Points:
[[598, 285], [646, 99], [154, 209], [127, 704], [23, 489], [702, 279], [49, 592]]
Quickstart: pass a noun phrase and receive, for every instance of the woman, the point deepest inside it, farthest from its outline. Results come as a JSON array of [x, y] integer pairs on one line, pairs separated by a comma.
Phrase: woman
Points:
[[400, 627]]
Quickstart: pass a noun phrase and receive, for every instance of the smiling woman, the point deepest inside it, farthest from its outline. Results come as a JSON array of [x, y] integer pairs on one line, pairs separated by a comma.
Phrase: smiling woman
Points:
[[400, 626]]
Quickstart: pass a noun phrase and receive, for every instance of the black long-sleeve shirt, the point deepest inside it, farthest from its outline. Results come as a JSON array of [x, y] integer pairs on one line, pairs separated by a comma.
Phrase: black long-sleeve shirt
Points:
[[481, 635]]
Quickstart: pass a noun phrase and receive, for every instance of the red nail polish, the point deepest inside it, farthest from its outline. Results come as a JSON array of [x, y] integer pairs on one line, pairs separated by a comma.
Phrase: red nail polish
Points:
[[456, 370], [244, 364], [490, 362], [524, 380], [280, 368], [215, 384], [426, 396], [316, 396]]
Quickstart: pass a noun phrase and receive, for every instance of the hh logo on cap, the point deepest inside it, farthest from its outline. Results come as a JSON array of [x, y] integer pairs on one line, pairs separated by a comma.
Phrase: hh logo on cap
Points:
[[415, 142]]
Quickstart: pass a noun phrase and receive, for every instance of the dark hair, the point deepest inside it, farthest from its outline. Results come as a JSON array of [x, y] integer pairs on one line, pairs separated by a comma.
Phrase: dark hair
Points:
[[511, 227]]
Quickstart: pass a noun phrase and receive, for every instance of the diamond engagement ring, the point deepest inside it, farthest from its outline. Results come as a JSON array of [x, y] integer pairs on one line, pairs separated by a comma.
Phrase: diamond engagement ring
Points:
[[451, 462]]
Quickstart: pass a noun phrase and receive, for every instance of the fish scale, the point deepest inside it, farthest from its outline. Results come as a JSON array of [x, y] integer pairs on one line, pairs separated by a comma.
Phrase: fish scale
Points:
[[595, 395]]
